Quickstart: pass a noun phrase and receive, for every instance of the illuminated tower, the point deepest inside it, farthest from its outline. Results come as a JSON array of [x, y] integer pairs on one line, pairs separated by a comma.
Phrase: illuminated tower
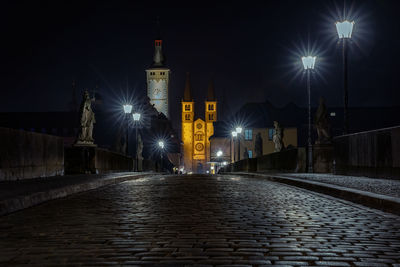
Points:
[[210, 116], [158, 79], [187, 125]]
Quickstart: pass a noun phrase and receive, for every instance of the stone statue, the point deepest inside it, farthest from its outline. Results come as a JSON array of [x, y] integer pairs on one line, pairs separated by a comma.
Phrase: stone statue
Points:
[[245, 153], [277, 138], [258, 147], [140, 147], [87, 120], [322, 123]]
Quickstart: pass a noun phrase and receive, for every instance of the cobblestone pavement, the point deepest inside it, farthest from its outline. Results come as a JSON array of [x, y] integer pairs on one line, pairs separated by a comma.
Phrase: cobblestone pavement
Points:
[[203, 220]]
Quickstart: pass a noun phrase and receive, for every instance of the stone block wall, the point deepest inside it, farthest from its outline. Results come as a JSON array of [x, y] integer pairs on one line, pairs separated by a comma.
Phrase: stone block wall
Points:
[[373, 153], [25, 155], [293, 160], [87, 159], [289, 160]]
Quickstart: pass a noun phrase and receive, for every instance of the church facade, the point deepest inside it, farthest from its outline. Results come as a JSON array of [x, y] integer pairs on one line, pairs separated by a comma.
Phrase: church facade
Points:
[[196, 131], [157, 77]]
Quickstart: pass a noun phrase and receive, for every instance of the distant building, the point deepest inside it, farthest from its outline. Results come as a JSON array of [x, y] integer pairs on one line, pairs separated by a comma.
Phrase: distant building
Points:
[[157, 77], [196, 132], [259, 118]]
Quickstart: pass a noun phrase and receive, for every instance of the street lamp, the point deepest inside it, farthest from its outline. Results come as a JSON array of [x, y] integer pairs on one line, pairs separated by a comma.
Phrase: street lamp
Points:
[[239, 131], [161, 145], [308, 64], [136, 118], [345, 30], [234, 134], [127, 110], [219, 155]]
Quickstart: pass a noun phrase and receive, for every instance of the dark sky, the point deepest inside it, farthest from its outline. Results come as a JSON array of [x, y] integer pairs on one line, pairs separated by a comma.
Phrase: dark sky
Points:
[[250, 49]]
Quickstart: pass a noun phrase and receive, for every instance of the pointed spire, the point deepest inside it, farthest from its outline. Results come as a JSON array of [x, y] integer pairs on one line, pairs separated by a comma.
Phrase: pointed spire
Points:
[[158, 58], [210, 91], [187, 95]]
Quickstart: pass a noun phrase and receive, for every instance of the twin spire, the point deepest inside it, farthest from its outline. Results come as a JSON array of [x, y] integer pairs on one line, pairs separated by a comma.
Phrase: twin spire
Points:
[[187, 94]]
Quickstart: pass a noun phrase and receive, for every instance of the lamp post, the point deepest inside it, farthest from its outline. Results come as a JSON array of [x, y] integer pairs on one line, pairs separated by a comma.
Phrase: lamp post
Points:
[[234, 134], [344, 30], [308, 64], [136, 118], [161, 146], [219, 155], [127, 110], [239, 131]]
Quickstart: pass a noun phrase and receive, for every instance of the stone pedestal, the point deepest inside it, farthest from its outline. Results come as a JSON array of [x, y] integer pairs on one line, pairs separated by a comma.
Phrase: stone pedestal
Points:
[[80, 159], [323, 158]]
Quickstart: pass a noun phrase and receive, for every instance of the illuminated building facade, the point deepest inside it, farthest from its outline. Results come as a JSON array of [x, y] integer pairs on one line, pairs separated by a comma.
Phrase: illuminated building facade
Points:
[[196, 133], [157, 77]]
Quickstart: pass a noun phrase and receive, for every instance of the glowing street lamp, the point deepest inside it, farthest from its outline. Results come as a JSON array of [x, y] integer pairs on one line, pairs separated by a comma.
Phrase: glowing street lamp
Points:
[[309, 64], [234, 134], [127, 108], [161, 144], [219, 153], [239, 131], [344, 30], [136, 119], [127, 111]]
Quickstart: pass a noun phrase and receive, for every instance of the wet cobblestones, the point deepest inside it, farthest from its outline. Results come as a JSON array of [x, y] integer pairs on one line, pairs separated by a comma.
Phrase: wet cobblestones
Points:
[[203, 221]]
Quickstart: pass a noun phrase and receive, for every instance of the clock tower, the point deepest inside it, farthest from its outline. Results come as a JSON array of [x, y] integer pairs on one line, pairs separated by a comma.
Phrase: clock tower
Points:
[[157, 77]]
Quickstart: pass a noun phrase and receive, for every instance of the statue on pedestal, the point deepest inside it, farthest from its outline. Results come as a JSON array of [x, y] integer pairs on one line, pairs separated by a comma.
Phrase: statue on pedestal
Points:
[[87, 120], [277, 138], [140, 147], [322, 124], [258, 145]]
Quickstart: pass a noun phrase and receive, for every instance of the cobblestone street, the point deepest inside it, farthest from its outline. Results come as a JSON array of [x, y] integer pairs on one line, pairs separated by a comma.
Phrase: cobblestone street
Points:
[[203, 220]]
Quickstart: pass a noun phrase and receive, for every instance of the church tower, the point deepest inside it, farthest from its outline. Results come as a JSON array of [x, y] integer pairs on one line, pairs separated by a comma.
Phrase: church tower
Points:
[[187, 125], [157, 77], [210, 116]]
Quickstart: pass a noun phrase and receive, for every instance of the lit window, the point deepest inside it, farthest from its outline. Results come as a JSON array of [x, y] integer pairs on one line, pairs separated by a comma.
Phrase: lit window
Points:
[[270, 134], [333, 114], [250, 154], [248, 134]]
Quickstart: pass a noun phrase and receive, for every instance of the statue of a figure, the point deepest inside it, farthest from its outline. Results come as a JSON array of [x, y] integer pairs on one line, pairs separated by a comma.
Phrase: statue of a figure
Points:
[[87, 120], [258, 147], [140, 147], [322, 123], [245, 153], [277, 138]]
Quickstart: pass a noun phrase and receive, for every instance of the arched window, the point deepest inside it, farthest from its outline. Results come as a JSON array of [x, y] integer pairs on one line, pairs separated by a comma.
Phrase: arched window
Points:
[[187, 117]]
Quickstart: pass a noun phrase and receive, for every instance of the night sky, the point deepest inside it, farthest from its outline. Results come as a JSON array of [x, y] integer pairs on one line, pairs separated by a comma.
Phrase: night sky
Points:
[[252, 51]]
